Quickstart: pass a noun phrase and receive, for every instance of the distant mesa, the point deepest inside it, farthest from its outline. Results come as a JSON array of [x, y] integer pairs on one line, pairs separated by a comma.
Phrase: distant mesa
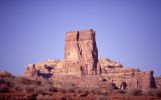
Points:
[[82, 66]]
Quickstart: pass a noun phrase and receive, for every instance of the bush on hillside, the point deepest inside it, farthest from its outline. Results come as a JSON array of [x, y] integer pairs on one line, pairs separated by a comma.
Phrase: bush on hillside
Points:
[[4, 88], [153, 92], [134, 92]]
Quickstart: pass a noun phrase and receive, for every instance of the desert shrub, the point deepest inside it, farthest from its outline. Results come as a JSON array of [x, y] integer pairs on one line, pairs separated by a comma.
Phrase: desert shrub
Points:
[[92, 90], [2, 80], [43, 89], [4, 88], [30, 88], [23, 80], [158, 92], [121, 91], [134, 92], [43, 97], [68, 87], [46, 82], [48, 97], [101, 97], [110, 89], [57, 83], [49, 89], [153, 92], [53, 89], [62, 90], [22, 87], [5, 74], [102, 91], [40, 90], [17, 88], [83, 94], [84, 90], [150, 92], [8, 81], [40, 97], [63, 98], [38, 82]]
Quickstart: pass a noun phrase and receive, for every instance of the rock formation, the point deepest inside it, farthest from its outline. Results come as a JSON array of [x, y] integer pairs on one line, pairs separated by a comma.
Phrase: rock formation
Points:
[[82, 66], [158, 81], [80, 53]]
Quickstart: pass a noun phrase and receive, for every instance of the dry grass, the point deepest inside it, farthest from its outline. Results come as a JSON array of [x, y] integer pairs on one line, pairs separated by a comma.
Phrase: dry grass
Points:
[[43, 89], [44, 97], [134, 92], [120, 91], [4, 88], [153, 92], [101, 97]]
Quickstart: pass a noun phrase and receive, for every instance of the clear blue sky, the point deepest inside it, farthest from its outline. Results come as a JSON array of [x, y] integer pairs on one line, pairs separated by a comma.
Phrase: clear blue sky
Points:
[[127, 31]]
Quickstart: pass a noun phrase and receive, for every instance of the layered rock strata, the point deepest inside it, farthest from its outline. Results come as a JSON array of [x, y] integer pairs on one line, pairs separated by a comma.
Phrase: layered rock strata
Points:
[[80, 53], [158, 81], [82, 66]]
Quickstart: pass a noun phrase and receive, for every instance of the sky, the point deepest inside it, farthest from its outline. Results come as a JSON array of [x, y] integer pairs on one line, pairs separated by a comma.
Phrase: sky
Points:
[[127, 31]]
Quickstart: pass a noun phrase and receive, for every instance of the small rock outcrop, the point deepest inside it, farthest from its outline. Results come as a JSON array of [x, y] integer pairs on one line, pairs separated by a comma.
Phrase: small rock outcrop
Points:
[[82, 66]]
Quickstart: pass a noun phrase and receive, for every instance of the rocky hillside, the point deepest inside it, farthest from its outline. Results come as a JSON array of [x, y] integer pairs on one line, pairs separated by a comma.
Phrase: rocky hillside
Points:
[[81, 64]]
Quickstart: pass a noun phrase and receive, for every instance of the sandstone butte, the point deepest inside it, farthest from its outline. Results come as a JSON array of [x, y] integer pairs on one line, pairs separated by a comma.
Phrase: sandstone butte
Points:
[[82, 66]]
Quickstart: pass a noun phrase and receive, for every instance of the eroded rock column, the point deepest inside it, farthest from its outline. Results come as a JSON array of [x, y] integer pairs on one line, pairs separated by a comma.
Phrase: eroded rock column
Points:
[[81, 54]]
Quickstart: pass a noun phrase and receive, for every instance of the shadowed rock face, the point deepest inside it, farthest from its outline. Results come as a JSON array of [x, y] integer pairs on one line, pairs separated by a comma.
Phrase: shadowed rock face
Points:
[[81, 45], [81, 51], [82, 66]]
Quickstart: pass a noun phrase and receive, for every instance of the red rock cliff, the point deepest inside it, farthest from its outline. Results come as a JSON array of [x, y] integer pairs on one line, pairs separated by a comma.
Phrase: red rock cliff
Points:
[[80, 52]]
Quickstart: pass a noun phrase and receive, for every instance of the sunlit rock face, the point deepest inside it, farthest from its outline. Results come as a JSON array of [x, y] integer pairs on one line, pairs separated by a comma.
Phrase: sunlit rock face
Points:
[[82, 66], [158, 81], [80, 52]]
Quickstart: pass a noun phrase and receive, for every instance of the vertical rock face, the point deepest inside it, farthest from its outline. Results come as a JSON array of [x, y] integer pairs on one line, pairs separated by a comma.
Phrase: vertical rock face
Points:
[[81, 58], [81, 54], [158, 82]]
